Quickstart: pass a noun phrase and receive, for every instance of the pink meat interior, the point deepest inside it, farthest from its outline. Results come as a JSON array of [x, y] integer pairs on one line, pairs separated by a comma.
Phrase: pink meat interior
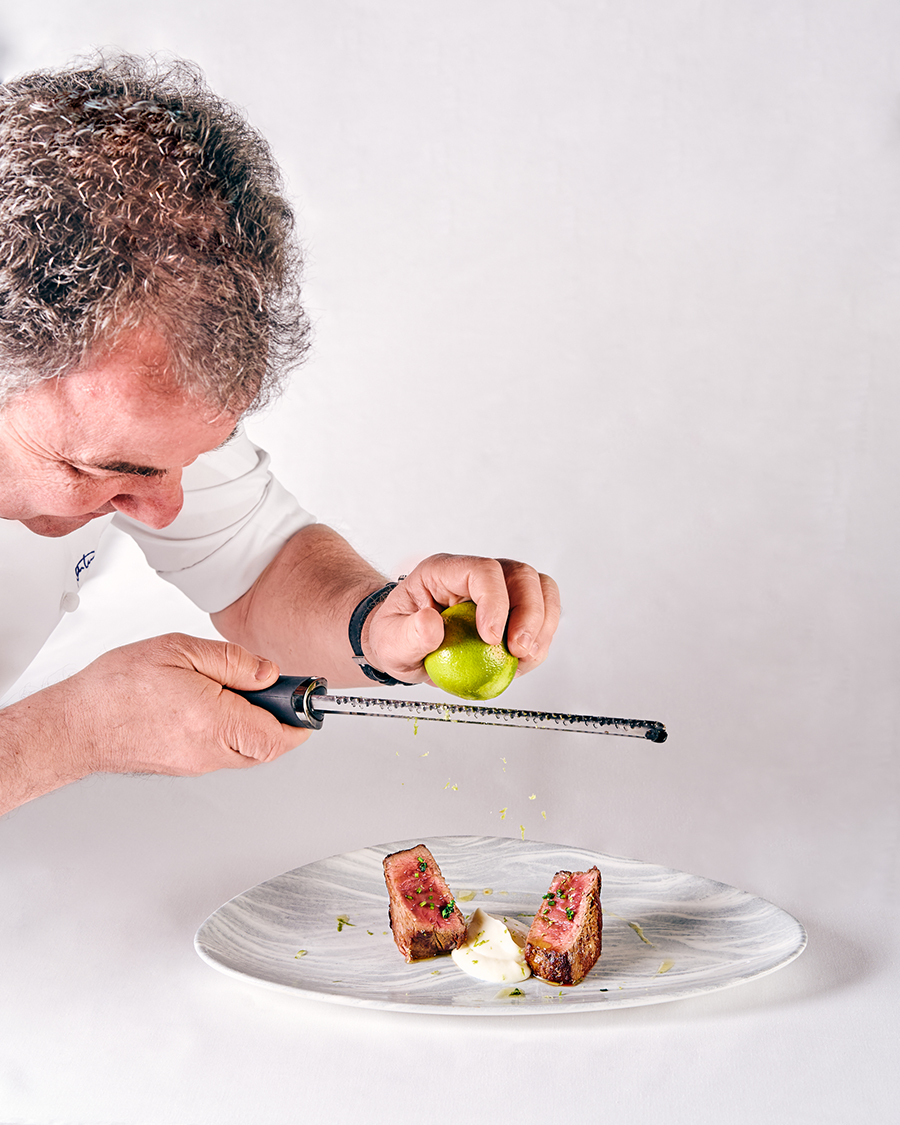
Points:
[[423, 893], [560, 915]]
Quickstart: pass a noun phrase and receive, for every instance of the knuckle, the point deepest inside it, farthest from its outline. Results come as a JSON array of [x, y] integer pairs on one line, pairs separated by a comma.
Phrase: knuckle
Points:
[[520, 572], [174, 642], [232, 657]]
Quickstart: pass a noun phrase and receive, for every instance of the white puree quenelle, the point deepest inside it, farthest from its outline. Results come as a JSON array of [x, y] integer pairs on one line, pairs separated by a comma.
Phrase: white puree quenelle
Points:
[[493, 949]]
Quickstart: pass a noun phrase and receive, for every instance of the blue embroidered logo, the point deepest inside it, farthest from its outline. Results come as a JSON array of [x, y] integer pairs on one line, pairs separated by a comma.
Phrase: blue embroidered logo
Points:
[[83, 563]]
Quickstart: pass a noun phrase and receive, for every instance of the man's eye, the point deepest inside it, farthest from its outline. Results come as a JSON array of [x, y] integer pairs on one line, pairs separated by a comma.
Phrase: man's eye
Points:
[[86, 474], [103, 472]]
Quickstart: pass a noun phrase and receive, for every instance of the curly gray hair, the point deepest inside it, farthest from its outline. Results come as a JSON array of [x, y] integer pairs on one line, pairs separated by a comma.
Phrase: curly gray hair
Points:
[[131, 195]]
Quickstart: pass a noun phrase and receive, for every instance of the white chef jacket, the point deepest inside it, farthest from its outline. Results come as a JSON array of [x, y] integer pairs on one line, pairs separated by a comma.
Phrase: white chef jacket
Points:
[[236, 518]]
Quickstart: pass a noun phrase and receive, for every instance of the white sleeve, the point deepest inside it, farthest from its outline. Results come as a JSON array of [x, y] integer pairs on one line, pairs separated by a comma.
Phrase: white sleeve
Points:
[[236, 518]]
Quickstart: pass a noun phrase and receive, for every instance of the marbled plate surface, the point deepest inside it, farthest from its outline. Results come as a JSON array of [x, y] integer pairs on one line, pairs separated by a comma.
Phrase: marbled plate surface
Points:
[[666, 935]]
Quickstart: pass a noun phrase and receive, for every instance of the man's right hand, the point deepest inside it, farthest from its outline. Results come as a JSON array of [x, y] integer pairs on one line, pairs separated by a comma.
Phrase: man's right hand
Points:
[[158, 706]]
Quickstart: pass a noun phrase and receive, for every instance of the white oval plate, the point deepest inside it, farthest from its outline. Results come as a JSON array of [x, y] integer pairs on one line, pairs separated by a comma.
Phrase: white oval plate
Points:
[[666, 935]]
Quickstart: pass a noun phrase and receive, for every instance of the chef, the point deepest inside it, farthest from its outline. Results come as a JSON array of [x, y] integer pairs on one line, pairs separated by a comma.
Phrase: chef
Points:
[[148, 302]]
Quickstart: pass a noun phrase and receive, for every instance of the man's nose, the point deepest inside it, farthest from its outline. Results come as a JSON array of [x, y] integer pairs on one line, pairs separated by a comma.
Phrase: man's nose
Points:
[[155, 501]]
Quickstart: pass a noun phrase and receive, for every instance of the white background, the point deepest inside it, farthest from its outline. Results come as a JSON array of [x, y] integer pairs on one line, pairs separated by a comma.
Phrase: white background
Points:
[[614, 289]]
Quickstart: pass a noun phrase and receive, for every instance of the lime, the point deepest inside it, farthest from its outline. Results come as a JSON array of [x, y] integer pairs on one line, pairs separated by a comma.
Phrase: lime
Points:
[[465, 665]]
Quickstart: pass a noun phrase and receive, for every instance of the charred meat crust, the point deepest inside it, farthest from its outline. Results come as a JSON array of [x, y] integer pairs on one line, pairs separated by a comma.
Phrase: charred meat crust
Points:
[[569, 961], [418, 944], [423, 914]]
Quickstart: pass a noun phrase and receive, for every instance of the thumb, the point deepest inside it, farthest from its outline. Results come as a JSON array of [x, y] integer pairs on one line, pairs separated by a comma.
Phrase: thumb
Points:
[[253, 732], [230, 664], [399, 642], [424, 633]]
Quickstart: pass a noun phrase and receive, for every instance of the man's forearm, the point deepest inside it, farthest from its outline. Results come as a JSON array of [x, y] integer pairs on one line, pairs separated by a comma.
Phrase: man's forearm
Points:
[[35, 755], [298, 610]]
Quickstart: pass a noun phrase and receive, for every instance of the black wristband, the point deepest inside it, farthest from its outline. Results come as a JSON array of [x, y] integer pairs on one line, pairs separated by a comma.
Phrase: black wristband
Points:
[[357, 621]]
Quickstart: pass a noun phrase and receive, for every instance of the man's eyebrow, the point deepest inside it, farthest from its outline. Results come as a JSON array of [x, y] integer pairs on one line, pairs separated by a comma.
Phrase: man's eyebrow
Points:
[[131, 470]]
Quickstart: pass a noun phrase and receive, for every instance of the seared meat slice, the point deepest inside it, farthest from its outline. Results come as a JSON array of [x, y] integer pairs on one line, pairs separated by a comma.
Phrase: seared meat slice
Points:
[[423, 913], [564, 939]]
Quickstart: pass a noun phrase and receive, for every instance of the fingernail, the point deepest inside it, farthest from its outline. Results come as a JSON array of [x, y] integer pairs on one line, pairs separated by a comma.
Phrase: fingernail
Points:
[[525, 641], [265, 669]]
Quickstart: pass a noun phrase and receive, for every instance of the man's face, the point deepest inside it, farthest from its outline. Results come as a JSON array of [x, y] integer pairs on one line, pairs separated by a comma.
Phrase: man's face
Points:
[[114, 436]]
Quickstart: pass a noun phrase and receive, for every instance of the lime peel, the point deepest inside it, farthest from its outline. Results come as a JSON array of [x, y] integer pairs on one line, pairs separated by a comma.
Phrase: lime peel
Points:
[[465, 665]]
